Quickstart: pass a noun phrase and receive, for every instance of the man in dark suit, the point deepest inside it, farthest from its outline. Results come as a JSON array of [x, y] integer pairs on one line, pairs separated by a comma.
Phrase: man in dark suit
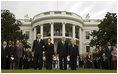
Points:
[[8, 55], [73, 54], [4, 51], [108, 55], [13, 56], [49, 49], [38, 46], [62, 51], [95, 58], [19, 51], [100, 57]]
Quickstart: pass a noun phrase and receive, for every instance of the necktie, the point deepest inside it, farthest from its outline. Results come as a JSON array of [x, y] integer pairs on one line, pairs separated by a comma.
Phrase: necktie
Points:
[[38, 40]]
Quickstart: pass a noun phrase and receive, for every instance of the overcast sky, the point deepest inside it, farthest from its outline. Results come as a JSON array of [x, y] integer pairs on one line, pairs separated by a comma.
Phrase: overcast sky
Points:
[[96, 9]]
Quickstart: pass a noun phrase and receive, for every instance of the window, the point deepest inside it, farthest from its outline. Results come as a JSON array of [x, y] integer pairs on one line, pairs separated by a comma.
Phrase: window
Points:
[[57, 12], [68, 13], [46, 13], [76, 34], [27, 34], [87, 48], [87, 35]]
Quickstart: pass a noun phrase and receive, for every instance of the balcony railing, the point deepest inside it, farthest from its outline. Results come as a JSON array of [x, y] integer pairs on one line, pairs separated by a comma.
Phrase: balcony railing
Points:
[[57, 34], [60, 34]]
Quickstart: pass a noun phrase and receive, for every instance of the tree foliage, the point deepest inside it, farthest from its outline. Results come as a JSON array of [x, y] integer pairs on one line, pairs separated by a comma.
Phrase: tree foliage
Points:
[[10, 30], [107, 31]]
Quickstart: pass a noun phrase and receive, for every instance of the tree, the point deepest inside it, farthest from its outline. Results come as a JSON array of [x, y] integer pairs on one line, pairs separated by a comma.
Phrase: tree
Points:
[[107, 31], [10, 29]]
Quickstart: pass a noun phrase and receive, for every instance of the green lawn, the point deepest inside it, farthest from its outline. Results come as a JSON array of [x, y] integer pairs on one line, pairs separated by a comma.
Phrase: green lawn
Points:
[[54, 70]]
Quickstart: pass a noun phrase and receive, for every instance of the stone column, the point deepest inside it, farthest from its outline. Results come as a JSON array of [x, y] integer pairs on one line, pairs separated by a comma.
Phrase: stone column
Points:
[[80, 40], [41, 30], [34, 33], [63, 29], [52, 32], [73, 31]]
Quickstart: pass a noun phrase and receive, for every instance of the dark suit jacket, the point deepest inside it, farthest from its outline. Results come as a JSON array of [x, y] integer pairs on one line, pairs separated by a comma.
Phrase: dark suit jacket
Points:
[[62, 49], [13, 51], [94, 56], [73, 51], [49, 49], [108, 53], [28, 55], [101, 53], [8, 54], [4, 51], [88, 58], [38, 47], [19, 51]]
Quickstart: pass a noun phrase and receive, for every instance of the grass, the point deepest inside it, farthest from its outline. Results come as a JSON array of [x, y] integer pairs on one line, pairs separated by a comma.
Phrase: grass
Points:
[[55, 70]]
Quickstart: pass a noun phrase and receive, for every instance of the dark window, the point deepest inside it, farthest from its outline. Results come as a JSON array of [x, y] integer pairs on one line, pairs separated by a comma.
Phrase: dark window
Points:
[[68, 13], [87, 48], [77, 36], [27, 34], [57, 12], [87, 35], [47, 13]]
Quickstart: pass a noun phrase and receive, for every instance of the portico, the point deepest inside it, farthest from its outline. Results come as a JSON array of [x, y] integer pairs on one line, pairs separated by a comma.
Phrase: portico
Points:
[[57, 30], [55, 24]]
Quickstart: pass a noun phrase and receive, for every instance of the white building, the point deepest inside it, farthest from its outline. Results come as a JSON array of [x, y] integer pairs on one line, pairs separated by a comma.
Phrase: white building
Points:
[[55, 24]]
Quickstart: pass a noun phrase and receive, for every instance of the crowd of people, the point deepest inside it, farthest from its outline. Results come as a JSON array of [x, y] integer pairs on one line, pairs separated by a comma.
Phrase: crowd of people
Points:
[[15, 56], [100, 58]]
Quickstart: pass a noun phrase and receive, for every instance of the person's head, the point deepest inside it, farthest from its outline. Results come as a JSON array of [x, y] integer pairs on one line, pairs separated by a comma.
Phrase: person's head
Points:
[[20, 43], [63, 38], [72, 41], [38, 35], [49, 40], [32, 53], [12, 43], [96, 49], [4, 43], [17, 42], [114, 48], [108, 43], [29, 50], [100, 47], [89, 53], [26, 49], [9, 42]]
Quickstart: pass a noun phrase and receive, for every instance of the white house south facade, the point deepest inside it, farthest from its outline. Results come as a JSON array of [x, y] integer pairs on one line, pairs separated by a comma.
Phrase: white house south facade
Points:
[[55, 24]]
